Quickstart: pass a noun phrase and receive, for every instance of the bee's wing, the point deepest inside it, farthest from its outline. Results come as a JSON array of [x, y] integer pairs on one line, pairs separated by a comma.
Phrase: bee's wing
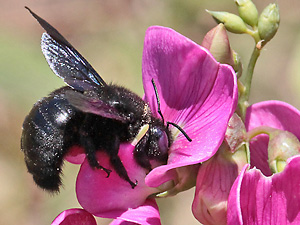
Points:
[[65, 61], [94, 106], [69, 65]]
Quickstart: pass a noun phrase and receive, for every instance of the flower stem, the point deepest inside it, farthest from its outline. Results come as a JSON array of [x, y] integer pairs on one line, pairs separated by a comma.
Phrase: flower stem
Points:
[[244, 95]]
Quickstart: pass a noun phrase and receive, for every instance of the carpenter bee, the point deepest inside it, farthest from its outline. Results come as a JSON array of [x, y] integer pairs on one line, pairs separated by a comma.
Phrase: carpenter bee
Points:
[[88, 113]]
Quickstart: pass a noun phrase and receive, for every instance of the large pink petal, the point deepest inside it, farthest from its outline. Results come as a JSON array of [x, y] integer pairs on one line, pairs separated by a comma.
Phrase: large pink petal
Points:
[[274, 114], [111, 197], [256, 199], [146, 214], [74, 217], [195, 91]]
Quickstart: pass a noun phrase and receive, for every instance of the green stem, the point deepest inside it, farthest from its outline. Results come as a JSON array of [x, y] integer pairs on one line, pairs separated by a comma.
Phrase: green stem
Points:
[[254, 33], [244, 96]]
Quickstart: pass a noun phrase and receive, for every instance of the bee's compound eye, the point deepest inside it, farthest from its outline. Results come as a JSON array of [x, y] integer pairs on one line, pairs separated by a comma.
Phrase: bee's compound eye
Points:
[[162, 140], [163, 143]]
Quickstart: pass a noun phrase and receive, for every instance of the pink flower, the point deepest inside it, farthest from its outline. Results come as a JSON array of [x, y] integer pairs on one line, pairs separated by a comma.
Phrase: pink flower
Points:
[[197, 93], [275, 114], [217, 175], [256, 197]]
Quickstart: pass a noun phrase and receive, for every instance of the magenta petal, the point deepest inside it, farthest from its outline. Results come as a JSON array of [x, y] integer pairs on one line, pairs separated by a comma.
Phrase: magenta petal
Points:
[[75, 155], [112, 196], [234, 215], [74, 217], [146, 214], [196, 92], [122, 222], [214, 182], [256, 199], [274, 114]]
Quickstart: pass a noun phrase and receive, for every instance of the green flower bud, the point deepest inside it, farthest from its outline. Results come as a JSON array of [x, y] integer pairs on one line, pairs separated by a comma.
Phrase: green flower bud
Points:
[[233, 23], [268, 22], [247, 11]]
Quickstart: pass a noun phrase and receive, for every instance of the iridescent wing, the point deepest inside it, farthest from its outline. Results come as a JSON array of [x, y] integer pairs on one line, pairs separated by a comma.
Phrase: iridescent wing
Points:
[[65, 61]]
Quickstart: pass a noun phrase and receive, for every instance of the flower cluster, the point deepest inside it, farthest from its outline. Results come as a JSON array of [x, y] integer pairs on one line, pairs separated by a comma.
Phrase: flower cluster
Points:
[[243, 159]]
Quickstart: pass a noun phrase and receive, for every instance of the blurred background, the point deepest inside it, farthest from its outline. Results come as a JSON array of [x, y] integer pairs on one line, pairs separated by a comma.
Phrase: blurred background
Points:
[[110, 35]]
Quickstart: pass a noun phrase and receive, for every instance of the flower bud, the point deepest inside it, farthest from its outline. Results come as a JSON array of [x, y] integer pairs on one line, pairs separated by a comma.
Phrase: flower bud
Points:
[[217, 42], [247, 11], [237, 66], [268, 22], [282, 145], [233, 23], [214, 182]]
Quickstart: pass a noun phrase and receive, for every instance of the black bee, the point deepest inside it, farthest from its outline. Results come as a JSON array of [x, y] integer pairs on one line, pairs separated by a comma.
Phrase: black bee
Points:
[[88, 113]]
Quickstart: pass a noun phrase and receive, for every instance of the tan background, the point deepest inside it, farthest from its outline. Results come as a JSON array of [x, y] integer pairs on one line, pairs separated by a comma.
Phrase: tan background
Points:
[[110, 35]]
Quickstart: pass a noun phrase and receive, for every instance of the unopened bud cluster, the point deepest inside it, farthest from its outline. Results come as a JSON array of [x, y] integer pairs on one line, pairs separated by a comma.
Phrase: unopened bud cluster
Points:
[[261, 27]]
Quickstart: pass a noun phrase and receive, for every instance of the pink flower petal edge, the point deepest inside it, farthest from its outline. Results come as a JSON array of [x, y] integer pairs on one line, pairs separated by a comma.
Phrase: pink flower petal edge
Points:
[[195, 91], [256, 199], [274, 114], [74, 217], [146, 214], [234, 215]]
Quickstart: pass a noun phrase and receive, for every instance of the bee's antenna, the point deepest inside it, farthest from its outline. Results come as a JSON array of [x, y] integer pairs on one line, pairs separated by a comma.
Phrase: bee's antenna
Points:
[[162, 117], [158, 101], [180, 129]]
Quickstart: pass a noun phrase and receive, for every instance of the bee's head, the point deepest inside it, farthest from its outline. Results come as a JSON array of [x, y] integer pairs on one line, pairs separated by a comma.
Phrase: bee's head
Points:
[[159, 138]]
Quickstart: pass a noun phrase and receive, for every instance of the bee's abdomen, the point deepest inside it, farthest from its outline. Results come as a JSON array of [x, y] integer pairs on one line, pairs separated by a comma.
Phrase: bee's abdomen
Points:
[[43, 138]]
